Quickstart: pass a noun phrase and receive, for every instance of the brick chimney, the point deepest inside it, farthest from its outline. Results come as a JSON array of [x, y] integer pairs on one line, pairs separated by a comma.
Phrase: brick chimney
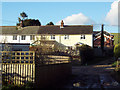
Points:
[[62, 24]]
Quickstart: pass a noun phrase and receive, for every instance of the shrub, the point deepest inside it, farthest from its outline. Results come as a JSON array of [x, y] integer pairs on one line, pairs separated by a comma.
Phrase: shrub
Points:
[[27, 86], [117, 51], [86, 53], [115, 63]]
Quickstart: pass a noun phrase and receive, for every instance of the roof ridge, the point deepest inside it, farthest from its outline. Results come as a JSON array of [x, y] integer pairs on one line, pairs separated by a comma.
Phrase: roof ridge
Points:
[[66, 25], [48, 25], [7, 26], [78, 25]]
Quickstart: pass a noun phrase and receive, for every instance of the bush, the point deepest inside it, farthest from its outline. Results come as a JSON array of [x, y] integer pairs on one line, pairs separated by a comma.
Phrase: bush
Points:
[[117, 51], [28, 86], [115, 63], [85, 47], [11, 87], [86, 54]]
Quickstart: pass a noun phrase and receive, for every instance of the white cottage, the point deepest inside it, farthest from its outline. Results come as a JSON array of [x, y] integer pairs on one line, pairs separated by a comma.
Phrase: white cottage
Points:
[[67, 35]]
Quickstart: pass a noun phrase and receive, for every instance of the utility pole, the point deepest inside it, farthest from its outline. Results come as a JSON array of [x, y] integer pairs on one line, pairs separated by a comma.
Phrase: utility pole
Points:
[[102, 38]]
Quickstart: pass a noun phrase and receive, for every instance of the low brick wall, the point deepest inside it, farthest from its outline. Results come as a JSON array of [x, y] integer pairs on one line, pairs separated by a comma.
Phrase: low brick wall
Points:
[[49, 75]]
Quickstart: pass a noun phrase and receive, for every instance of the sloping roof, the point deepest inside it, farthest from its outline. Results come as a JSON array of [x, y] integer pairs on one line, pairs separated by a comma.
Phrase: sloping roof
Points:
[[99, 33], [75, 29], [26, 30], [72, 29], [30, 30], [9, 30]]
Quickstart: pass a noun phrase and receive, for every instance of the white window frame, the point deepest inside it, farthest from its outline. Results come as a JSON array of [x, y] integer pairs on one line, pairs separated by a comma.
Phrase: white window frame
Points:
[[43, 37], [66, 37], [82, 37], [23, 37], [32, 37], [14, 37], [53, 37]]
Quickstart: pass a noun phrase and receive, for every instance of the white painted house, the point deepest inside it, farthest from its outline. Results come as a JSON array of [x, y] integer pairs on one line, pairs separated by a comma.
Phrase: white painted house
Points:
[[68, 35]]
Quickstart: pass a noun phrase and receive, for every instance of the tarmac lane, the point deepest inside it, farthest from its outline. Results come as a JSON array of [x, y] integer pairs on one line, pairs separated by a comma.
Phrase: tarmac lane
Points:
[[92, 77]]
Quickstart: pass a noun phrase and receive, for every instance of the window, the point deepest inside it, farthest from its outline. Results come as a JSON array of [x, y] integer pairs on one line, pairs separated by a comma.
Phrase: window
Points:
[[14, 37], [43, 37], [23, 37], [66, 37], [32, 37], [82, 37], [52, 36]]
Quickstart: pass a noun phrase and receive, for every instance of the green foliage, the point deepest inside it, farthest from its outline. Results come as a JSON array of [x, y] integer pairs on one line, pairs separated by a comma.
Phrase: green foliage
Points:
[[23, 15], [117, 50], [27, 22], [31, 22], [85, 47], [17, 24], [19, 19], [5, 88], [116, 38], [50, 23], [27, 86], [115, 63], [12, 87], [86, 53], [117, 69]]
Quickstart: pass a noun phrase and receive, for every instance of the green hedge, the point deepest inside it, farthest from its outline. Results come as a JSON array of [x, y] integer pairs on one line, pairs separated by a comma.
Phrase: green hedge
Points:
[[117, 51], [86, 54]]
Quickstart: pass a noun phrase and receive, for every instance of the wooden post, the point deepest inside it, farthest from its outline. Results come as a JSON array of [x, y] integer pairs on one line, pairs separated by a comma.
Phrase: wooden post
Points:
[[102, 38]]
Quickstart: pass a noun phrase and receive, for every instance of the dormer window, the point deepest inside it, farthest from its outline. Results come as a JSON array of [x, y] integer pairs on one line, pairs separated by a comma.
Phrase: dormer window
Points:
[[82, 37], [52, 36]]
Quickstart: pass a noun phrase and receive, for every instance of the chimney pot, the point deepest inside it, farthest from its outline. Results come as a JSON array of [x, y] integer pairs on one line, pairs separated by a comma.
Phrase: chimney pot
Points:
[[62, 24]]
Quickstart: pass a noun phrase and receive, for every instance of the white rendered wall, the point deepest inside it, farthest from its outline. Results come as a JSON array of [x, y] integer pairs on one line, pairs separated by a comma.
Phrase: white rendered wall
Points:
[[9, 39], [73, 39]]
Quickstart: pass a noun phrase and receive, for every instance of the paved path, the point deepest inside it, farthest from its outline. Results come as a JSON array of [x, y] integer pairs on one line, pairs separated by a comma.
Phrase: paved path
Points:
[[93, 76]]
